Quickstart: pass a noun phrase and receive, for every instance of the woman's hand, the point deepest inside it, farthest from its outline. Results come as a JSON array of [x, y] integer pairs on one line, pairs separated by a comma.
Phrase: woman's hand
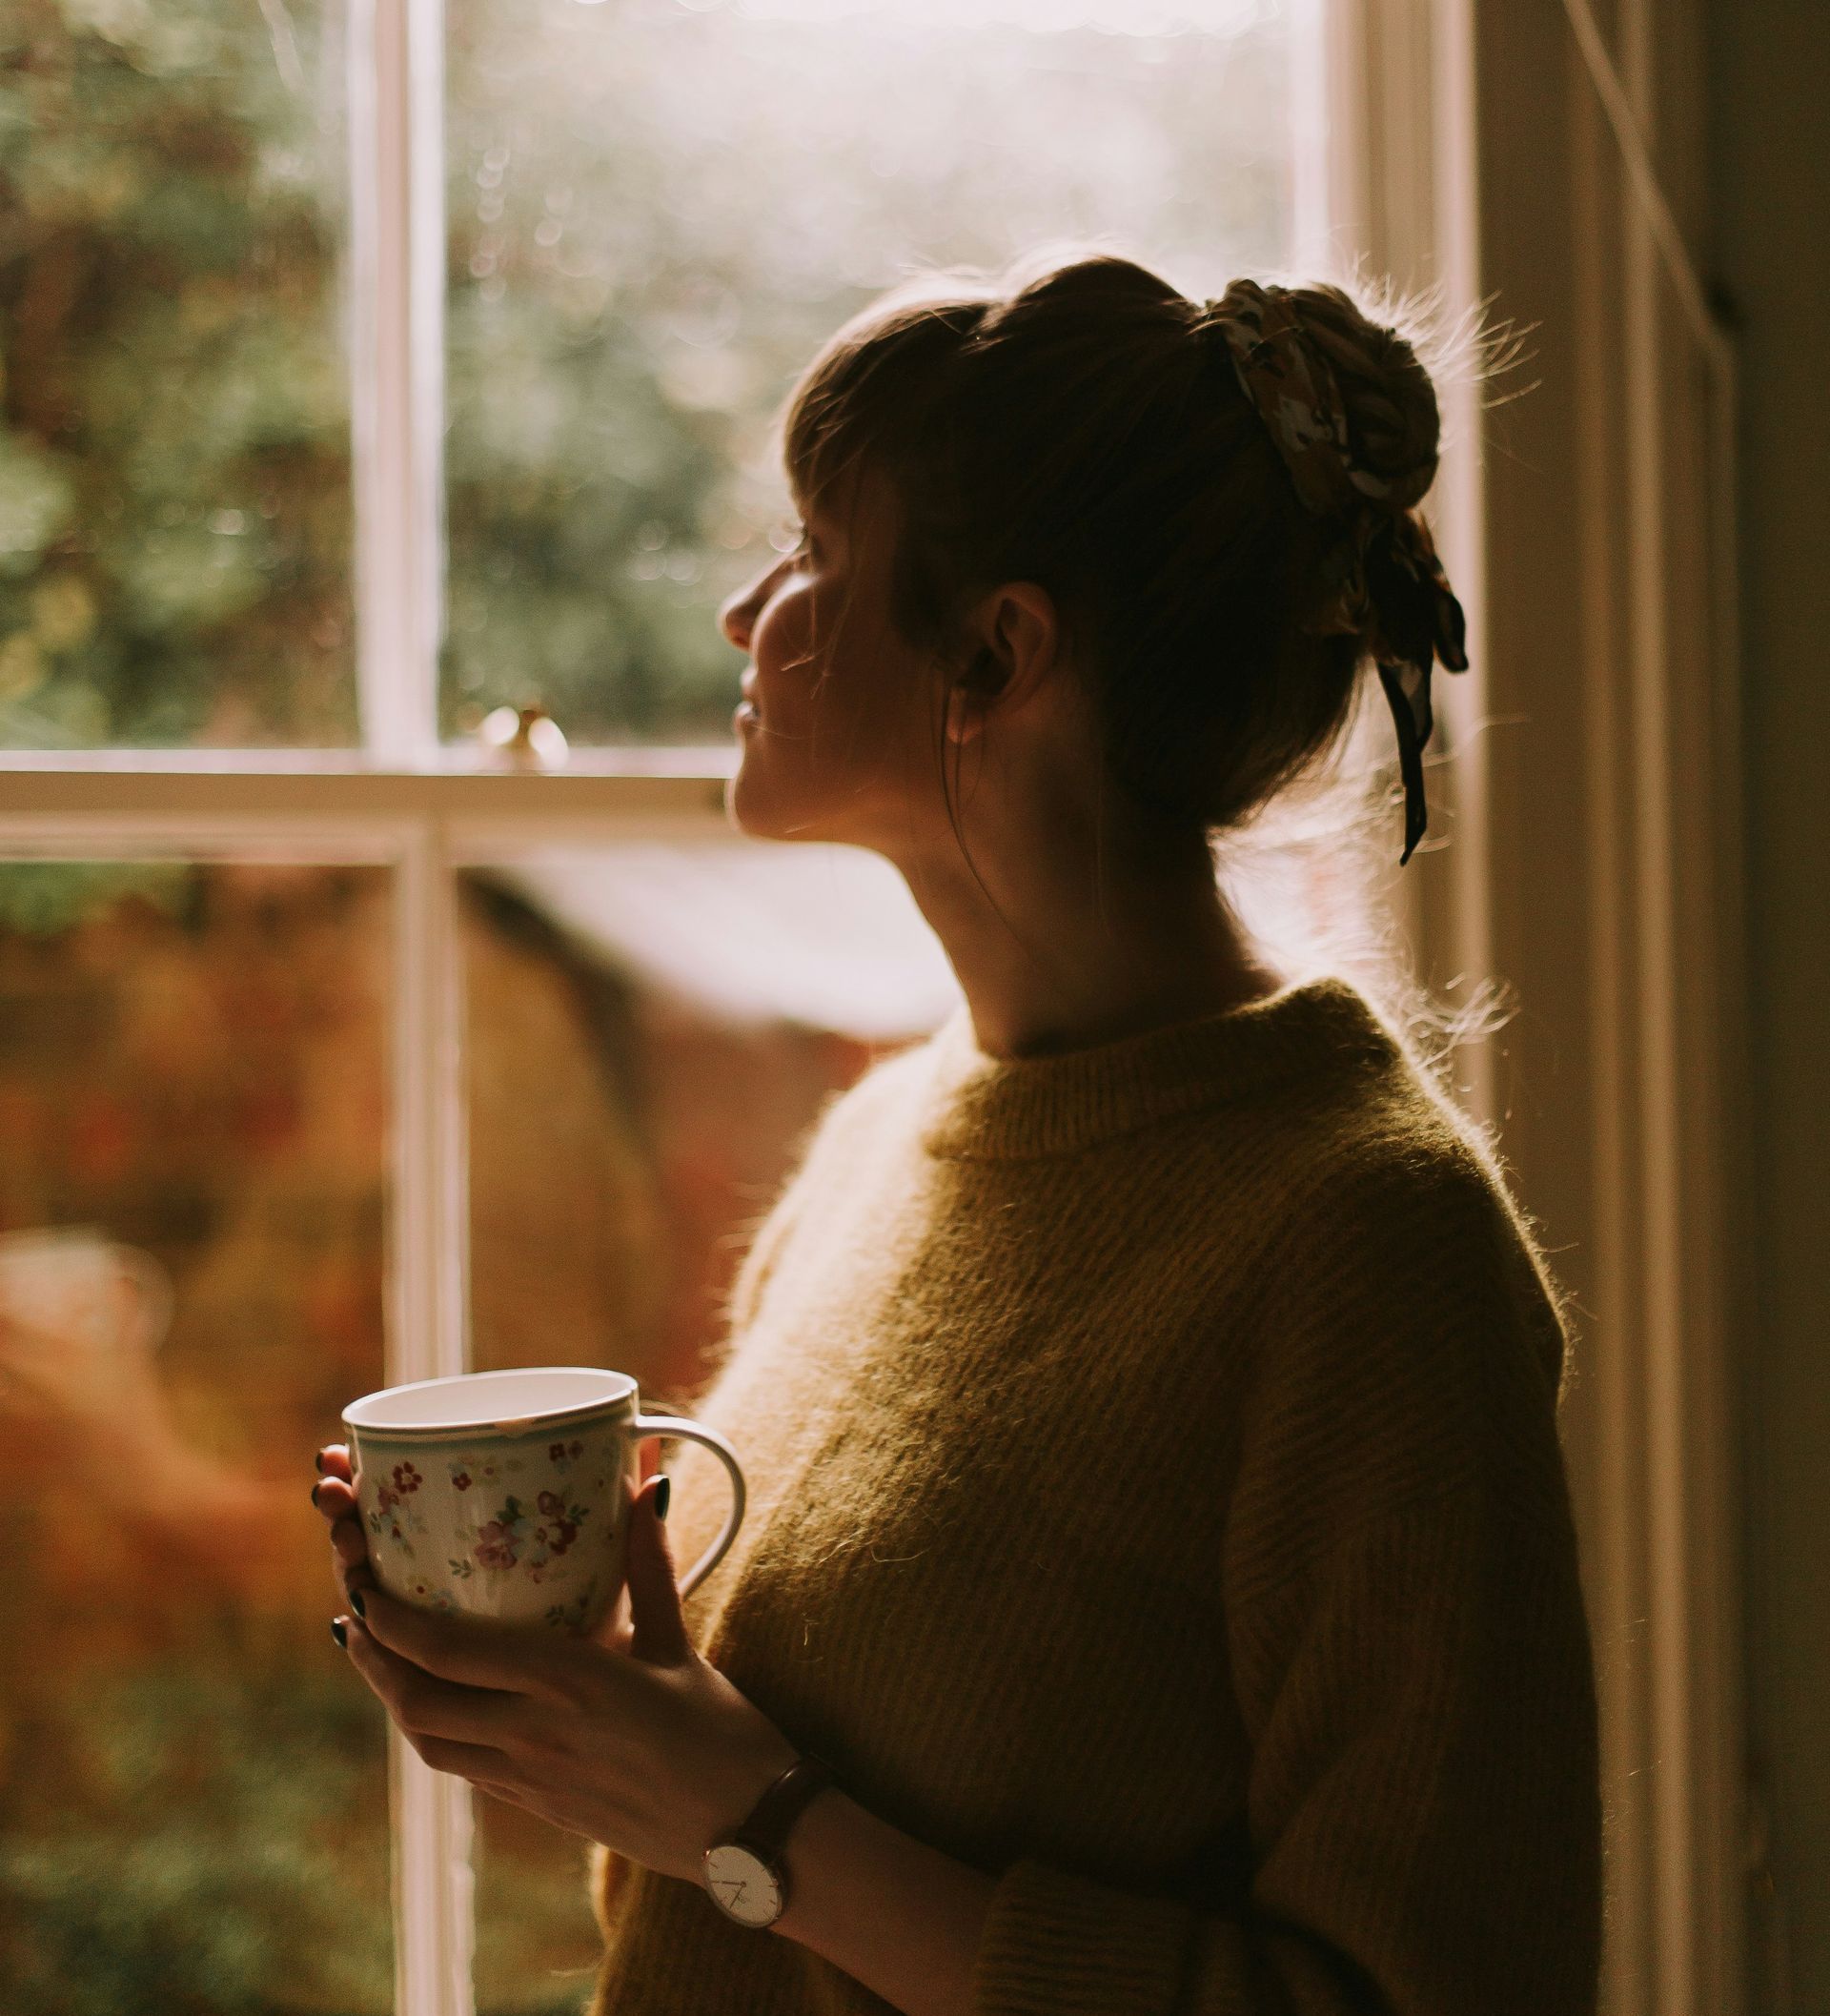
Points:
[[635, 1741]]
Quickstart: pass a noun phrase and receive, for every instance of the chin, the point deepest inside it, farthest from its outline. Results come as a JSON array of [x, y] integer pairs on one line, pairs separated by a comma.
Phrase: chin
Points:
[[735, 805], [750, 809]]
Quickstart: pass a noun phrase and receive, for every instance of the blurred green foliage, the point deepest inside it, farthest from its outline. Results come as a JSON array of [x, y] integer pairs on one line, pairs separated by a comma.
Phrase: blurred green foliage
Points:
[[658, 210], [656, 213], [188, 1841], [175, 466], [42, 899]]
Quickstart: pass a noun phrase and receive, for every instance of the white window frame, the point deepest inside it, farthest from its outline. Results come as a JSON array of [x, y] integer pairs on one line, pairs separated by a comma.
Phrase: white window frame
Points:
[[1394, 90]]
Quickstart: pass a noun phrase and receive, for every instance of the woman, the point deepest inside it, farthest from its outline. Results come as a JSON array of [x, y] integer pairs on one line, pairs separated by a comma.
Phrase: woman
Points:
[[1158, 1529]]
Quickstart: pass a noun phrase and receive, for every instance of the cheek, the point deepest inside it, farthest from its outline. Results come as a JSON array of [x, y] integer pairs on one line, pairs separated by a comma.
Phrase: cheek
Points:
[[860, 703], [781, 641], [847, 691]]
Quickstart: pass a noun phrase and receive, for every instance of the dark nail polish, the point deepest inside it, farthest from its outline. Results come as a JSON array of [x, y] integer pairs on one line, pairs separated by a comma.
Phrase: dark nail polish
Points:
[[662, 1491], [319, 1461], [315, 1488], [340, 1632], [357, 1603]]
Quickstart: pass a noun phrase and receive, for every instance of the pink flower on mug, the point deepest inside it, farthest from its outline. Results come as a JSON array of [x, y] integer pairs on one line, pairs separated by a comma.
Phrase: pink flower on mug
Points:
[[499, 1544], [406, 1479], [494, 1547], [460, 1480], [563, 1522]]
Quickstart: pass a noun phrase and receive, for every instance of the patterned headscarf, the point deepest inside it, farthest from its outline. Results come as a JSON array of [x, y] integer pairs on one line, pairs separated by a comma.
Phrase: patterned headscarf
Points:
[[1383, 577]]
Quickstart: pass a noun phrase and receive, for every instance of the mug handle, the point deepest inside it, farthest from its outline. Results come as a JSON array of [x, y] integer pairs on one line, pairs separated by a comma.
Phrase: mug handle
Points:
[[667, 1424]]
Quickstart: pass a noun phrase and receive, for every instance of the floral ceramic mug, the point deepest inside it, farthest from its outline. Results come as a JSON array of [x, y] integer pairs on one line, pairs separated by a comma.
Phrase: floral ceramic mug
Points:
[[506, 1494]]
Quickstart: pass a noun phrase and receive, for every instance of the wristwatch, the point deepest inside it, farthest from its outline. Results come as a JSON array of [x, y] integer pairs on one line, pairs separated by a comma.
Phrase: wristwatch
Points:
[[743, 1868]]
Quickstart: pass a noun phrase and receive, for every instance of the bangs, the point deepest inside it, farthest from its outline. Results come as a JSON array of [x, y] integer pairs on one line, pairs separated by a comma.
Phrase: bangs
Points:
[[869, 391]]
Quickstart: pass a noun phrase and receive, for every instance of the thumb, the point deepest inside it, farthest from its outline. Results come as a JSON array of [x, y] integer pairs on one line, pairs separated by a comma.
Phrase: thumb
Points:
[[659, 1629]]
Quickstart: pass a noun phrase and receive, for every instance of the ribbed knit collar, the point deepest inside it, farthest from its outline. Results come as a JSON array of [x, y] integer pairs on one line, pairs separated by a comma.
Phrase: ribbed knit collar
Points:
[[985, 1109]]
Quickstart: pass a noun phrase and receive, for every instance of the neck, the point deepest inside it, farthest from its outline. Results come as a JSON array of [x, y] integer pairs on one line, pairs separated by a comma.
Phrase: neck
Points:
[[1073, 943]]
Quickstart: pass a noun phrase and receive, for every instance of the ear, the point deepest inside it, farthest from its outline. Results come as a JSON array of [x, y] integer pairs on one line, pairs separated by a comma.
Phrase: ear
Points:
[[1015, 633]]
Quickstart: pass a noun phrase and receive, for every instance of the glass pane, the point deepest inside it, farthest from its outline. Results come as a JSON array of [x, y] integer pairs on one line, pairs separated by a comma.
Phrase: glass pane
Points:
[[175, 470], [652, 1027], [194, 1797], [660, 208]]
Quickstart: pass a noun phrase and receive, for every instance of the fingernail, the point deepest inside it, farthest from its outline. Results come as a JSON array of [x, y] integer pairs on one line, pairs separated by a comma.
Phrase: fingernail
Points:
[[662, 1490], [315, 1488], [357, 1603], [319, 1461], [340, 1632]]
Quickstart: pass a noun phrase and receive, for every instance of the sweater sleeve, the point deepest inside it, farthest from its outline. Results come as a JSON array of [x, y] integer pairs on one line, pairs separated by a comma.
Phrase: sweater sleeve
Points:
[[1409, 1653]]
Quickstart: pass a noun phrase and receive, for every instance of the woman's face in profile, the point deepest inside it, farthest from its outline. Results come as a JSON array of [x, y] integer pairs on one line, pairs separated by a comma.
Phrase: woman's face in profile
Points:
[[835, 737]]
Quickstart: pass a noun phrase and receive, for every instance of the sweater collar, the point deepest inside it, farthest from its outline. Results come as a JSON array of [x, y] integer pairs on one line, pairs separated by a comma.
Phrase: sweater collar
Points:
[[985, 1109]]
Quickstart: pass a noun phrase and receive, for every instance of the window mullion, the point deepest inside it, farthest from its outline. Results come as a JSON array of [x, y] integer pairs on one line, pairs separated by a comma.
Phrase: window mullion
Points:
[[427, 1337], [396, 299]]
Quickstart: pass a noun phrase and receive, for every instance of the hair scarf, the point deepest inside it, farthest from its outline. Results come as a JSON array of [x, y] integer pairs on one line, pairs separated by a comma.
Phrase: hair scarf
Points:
[[1383, 577]]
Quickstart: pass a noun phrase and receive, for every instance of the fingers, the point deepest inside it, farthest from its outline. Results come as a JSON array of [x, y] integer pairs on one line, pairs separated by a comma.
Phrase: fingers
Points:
[[433, 1711], [334, 1461], [659, 1633], [477, 1763], [471, 1652], [351, 1564], [335, 1497]]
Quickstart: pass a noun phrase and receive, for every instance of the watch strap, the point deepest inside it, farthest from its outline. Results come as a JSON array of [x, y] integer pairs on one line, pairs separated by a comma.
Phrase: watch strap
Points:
[[770, 1819]]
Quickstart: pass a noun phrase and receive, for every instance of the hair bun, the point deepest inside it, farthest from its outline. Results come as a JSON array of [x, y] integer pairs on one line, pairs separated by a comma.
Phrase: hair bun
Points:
[[1390, 400]]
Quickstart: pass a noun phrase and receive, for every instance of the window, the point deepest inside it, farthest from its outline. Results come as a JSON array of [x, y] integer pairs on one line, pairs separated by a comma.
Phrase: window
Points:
[[367, 370]]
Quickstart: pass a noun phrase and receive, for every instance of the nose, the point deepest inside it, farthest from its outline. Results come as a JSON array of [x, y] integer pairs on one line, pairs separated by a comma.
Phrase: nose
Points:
[[737, 616]]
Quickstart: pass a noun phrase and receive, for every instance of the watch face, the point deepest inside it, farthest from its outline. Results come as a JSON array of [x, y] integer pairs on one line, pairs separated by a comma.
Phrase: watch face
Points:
[[742, 1884]]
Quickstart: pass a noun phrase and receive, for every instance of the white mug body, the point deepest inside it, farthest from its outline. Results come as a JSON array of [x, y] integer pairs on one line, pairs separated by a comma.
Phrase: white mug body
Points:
[[506, 1496]]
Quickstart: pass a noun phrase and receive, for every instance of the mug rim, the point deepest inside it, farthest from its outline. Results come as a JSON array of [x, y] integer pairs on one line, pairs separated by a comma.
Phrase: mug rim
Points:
[[505, 1424]]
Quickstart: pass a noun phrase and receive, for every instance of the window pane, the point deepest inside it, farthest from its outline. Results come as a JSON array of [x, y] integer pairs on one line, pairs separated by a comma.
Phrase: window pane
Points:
[[651, 1029], [660, 208], [174, 471], [194, 1799]]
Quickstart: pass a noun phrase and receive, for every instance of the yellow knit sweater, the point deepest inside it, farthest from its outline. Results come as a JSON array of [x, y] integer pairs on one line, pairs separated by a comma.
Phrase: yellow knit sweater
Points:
[[1156, 1501]]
